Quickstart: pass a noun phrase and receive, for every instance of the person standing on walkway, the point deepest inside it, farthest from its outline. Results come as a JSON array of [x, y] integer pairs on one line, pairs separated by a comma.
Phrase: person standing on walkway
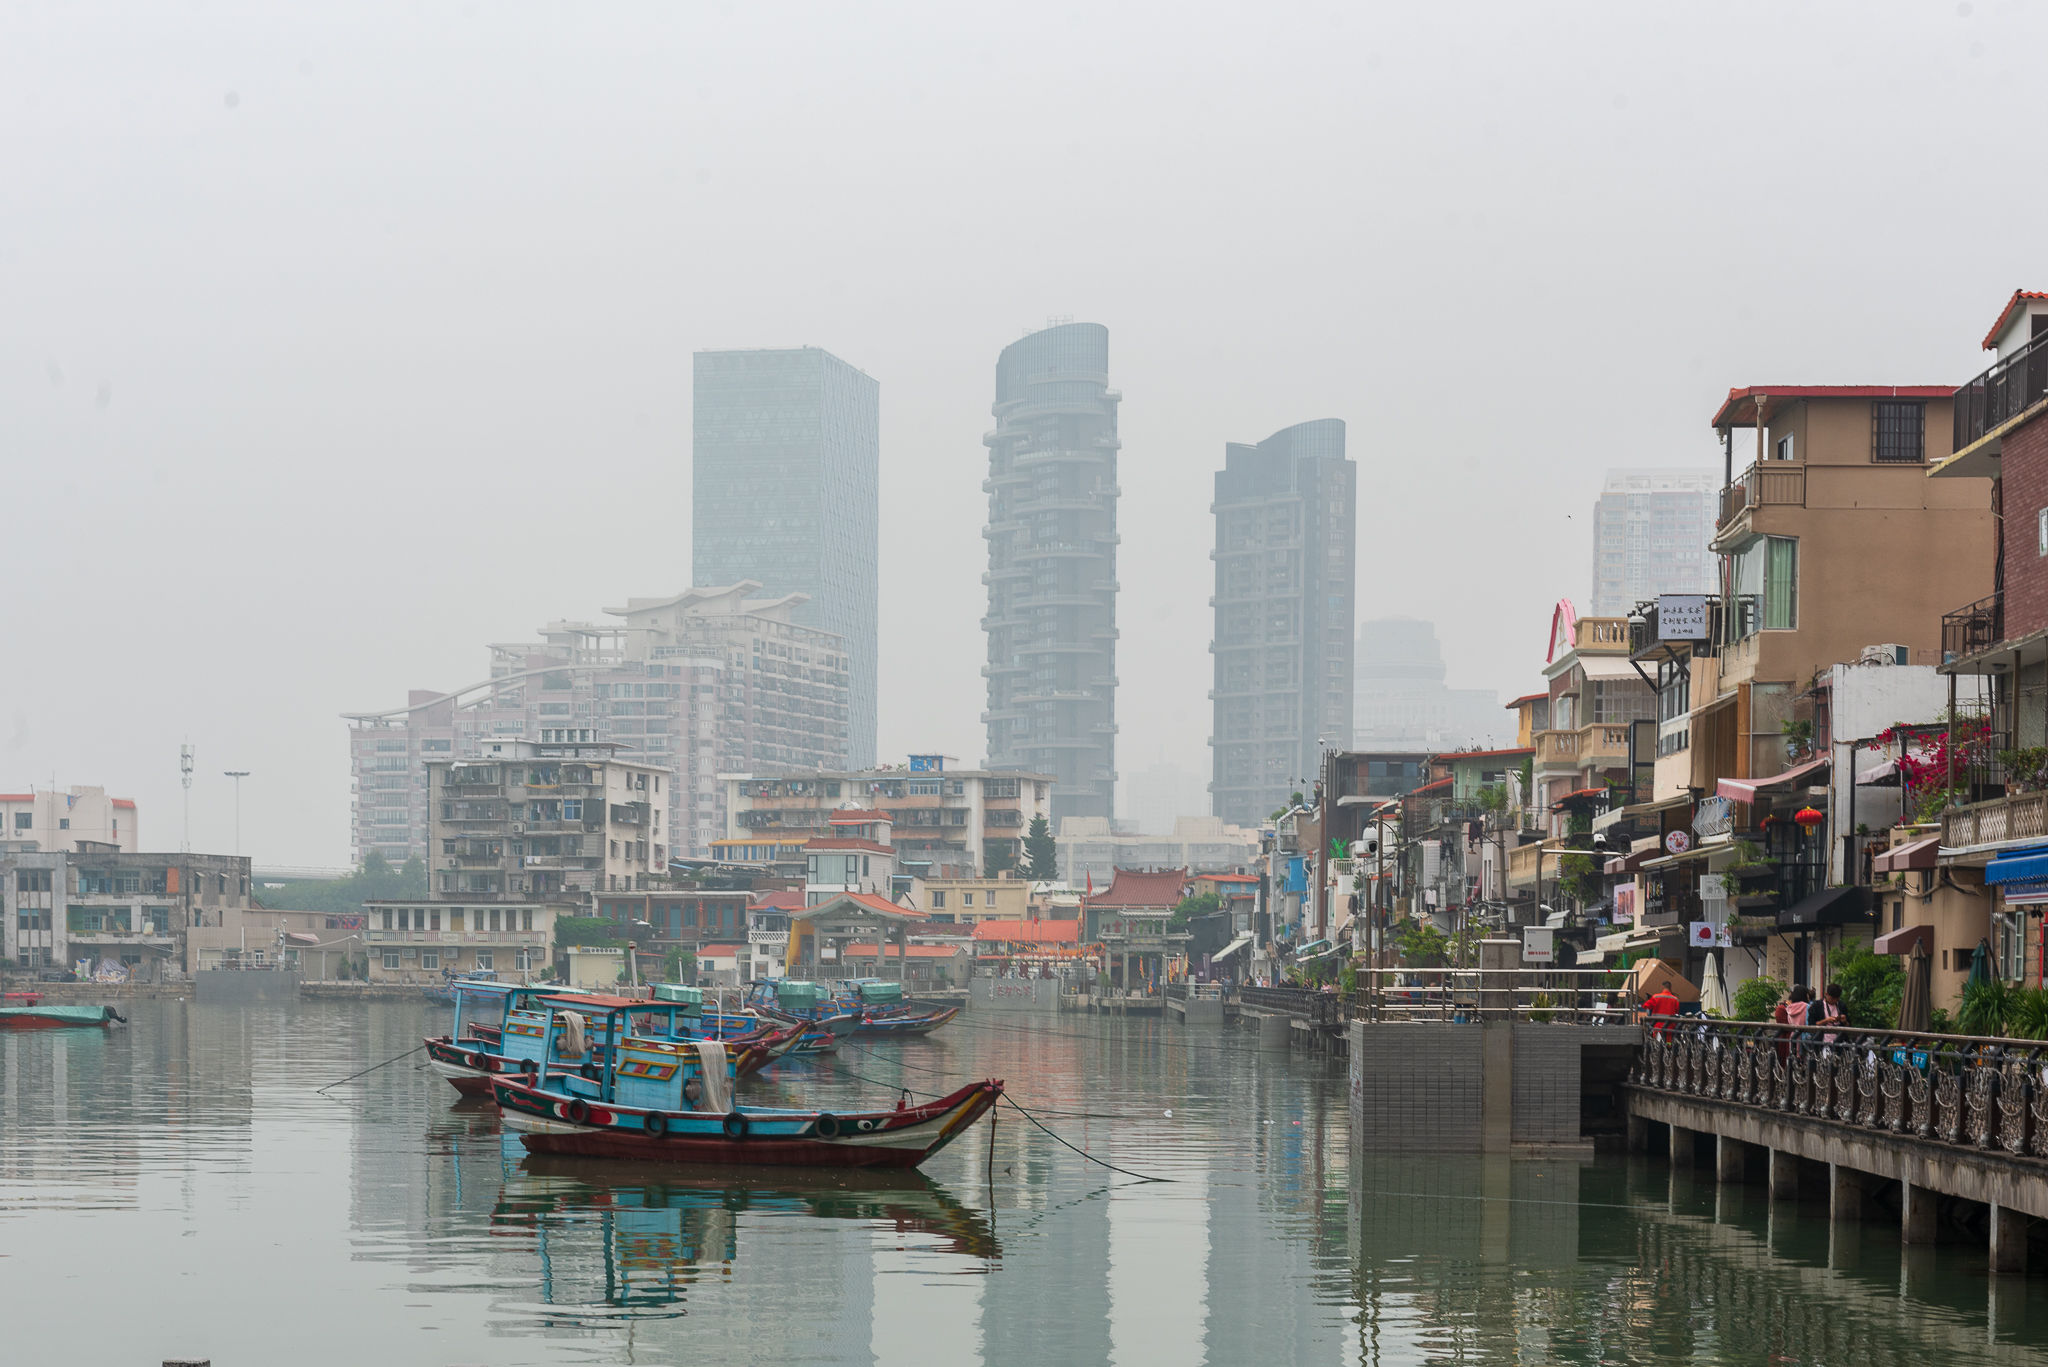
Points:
[[1791, 1011], [1661, 1008], [1828, 1011]]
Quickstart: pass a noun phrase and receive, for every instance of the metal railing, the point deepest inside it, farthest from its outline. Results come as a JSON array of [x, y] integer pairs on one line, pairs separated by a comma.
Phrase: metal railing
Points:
[[1573, 996], [1971, 1091], [1322, 1008], [1974, 629], [1771, 483], [2007, 389]]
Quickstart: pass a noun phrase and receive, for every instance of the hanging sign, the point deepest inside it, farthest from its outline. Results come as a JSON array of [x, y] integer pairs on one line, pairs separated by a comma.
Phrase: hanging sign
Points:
[[1713, 816], [1678, 841], [1713, 888], [1681, 617], [1703, 934]]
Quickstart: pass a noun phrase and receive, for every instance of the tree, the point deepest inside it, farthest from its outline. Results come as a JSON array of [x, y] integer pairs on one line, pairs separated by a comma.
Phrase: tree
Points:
[[1002, 857], [680, 966], [587, 930], [376, 880], [1201, 904], [1421, 944], [1871, 987], [1041, 855], [1756, 997]]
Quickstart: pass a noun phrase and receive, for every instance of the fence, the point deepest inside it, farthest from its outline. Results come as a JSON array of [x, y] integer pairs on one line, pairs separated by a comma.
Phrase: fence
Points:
[[1585, 996], [1970, 1091], [1322, 1008]]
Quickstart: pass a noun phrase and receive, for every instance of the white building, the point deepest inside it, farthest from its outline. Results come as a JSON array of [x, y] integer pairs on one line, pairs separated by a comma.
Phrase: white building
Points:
[[1650, 535], [1092, 848], [946, 820], [47, 819]]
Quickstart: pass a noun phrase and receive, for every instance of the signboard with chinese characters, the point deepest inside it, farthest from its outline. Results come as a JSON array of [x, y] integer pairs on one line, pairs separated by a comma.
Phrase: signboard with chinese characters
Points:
[[1681, 617], [927, 764], [1713, 816], [1677, 841], [1713, 888]]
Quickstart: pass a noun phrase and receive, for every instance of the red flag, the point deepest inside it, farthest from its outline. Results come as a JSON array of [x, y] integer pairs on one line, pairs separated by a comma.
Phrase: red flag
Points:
[[1091, 884]]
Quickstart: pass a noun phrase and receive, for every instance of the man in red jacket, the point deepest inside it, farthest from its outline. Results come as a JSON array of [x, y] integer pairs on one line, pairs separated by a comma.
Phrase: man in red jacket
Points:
[[1660, 1007]]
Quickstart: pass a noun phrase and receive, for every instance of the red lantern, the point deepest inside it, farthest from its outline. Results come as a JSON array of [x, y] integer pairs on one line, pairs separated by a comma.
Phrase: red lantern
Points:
[[1810, 817]]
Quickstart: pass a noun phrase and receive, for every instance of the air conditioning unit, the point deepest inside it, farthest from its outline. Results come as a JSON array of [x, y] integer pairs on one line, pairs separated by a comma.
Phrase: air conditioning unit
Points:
[[519, 828], [1890, 654]]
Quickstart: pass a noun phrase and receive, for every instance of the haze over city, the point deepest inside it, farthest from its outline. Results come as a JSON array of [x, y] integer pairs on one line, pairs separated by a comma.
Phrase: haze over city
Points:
[[341, 344]]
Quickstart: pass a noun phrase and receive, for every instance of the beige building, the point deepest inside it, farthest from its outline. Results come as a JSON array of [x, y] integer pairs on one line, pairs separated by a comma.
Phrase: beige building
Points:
[[1594, 696], [420, 941], [46, 819], [970, 901], [117, 914], [558, 819], [948, 821]]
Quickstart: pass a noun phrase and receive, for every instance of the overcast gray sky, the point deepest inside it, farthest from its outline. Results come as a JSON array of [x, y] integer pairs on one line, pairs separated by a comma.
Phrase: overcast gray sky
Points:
[[311, 316]]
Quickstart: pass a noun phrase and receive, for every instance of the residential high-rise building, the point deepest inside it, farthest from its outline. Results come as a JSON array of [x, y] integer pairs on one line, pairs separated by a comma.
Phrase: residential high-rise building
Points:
[[786, 491], [1650, 535], [702, 683], [1403, 702], [1286, 520], [1051, 578]]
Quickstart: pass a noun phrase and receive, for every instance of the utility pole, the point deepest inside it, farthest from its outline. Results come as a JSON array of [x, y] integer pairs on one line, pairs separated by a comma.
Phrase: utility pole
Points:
[[237, 775], [185, 777]]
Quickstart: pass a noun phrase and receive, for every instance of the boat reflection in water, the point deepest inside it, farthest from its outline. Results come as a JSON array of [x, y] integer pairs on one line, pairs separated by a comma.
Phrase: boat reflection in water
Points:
[[657, 1229]]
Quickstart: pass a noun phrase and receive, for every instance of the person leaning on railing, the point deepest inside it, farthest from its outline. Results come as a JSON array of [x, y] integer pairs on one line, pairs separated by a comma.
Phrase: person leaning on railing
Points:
[[1660, 1009]]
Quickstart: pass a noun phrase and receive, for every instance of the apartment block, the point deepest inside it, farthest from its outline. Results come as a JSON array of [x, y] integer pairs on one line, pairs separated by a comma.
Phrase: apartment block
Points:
[[423, 941], [1052, 539], [944, 820], [1091, 848], [786, 492], [49, 819], [1650, 535], [555, 820], [113, 912], [1285, 567], [700, 683]]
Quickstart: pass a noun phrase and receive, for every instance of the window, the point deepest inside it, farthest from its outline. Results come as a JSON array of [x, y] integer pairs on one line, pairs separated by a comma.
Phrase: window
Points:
[[938, 900], [1783, 450], [526, 919], [434, 919], [966, 899], [390, 961], [1898, 433], [1766, 582], [455, 920], [404, 918], [483, 961], [494, 919], [2041, 518], [387, 918], [572, 809], [63, 823], [430, 959], [24, 821]]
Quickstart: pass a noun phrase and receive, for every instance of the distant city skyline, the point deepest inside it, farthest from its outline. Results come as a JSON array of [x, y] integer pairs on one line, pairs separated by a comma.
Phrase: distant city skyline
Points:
[[786, 492], [1403, 701], [1650, 535]]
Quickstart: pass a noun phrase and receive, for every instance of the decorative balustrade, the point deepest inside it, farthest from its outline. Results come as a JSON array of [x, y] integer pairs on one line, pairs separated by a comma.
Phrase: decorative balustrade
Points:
[[1318, 1007], [1969, 1091], [2022, 816]]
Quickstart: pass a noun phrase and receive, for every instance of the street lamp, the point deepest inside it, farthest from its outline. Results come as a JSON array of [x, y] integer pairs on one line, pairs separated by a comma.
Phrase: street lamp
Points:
[[237, 775]]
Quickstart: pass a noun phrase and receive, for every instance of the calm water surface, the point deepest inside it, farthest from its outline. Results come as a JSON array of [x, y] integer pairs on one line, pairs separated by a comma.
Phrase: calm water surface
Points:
[[178, 1188]]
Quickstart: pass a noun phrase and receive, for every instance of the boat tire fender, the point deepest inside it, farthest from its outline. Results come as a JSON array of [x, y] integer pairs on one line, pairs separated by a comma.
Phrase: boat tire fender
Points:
[[656, 1124], [826, 1126], [529, 1066], [735, 1125], [579, 1111]]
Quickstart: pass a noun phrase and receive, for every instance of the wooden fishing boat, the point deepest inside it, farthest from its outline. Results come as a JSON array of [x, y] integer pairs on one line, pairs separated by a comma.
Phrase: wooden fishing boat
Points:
[[57, 1016], [20, 998], [641, 1105], [469, 1063], [883, 1010]]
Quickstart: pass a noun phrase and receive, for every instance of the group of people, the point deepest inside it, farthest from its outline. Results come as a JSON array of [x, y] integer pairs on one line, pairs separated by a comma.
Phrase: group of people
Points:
[[1800, 1010]]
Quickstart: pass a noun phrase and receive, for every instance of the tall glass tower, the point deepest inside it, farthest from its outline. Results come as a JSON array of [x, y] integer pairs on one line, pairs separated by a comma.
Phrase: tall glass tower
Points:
[[786, 492], [1051, 578], [1286, 535]]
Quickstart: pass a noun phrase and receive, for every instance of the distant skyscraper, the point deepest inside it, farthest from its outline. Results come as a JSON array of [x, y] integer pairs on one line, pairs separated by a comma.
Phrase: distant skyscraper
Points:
[[786, 493], [1286, 520], [1403, 703], [1051, 533], [1650, 534]]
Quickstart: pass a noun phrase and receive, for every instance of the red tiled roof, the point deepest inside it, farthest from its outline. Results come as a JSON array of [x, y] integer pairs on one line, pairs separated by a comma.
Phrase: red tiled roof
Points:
[[719, 951], [1738, 397], [1227, 877], [2005, 314], [1030, 932], [836, 844], [1131, 888], [855, 816], [1526, 697], [1431, 786], [786, 899], [868, 951], [127, 802], [1453, 756], [17, 797], [873, 901]]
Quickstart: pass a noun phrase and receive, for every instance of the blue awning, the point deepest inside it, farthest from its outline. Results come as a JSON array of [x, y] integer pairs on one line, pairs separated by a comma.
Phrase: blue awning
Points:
[[2022, 866]]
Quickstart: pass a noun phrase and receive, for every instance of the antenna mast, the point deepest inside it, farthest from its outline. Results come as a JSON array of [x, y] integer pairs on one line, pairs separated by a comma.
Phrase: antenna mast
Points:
[[185, 777]]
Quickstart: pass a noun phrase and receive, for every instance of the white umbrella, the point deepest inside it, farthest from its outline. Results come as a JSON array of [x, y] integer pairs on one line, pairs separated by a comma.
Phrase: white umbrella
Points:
[[1713, 992]]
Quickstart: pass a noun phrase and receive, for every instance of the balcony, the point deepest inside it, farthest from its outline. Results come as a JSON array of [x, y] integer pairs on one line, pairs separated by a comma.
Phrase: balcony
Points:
[[1599, 746], [2020, 816], [773, 939], [2009, 388], [1776, 483], [1972, 630]]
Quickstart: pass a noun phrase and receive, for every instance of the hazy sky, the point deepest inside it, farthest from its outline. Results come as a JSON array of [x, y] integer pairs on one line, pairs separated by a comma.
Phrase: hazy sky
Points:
[[338, 340]]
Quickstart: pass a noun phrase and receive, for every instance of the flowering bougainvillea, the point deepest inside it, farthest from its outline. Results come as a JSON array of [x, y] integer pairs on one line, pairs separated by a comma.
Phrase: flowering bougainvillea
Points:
[[1924, 753]]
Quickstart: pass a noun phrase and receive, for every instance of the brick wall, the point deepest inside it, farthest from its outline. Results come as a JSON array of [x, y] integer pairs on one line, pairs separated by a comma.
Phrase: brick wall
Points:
[[1415, 1086], [2025, 493]]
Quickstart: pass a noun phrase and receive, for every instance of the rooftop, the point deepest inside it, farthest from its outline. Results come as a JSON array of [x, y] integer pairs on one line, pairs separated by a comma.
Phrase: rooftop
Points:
[[1029, 932], [1135, 888], [1739, 409], [2012, 305]]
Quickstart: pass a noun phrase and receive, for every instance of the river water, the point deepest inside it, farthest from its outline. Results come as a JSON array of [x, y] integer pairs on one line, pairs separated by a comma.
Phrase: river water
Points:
[[180, 1189]]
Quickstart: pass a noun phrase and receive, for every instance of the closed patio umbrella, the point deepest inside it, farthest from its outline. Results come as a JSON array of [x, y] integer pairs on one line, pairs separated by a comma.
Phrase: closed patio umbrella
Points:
[[1713, 991], [1916, 997], [1980, 966]]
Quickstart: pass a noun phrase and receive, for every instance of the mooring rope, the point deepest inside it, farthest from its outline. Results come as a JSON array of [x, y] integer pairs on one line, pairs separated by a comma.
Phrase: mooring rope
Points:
[[371, 1069]]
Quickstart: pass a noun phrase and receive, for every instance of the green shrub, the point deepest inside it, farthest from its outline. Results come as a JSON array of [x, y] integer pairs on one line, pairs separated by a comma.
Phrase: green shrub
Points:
[[1984, 1008], [1756, 998], [1871, 986]]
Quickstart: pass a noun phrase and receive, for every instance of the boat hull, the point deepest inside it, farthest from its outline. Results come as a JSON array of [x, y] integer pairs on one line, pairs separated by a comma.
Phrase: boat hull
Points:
[[56, 1017], [892, 1139], [907, 1025]]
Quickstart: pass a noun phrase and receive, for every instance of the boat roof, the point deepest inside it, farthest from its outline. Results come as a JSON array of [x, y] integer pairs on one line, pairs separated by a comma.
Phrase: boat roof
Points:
[[606, 1002]]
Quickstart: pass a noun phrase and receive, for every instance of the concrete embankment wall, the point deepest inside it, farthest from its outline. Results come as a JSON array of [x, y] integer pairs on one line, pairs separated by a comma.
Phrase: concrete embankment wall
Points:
[[1493, 1087], [1014, 994], [236, 987]]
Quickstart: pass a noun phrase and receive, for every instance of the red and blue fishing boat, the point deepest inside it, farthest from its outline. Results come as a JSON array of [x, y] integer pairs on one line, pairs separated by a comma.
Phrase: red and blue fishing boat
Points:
[[646, 1102], [514, 1043], [883, 1010]]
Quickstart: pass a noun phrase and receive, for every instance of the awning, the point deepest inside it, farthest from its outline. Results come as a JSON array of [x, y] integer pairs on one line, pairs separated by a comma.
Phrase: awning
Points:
[[300, 937], [1746, 789], [1697, 852], [1313, 948], [1828, 907], [1918, 854], [1243, 939], [1638, 851], [1630, 812], [1902, 941], [2021, 866], [1886, 773]]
